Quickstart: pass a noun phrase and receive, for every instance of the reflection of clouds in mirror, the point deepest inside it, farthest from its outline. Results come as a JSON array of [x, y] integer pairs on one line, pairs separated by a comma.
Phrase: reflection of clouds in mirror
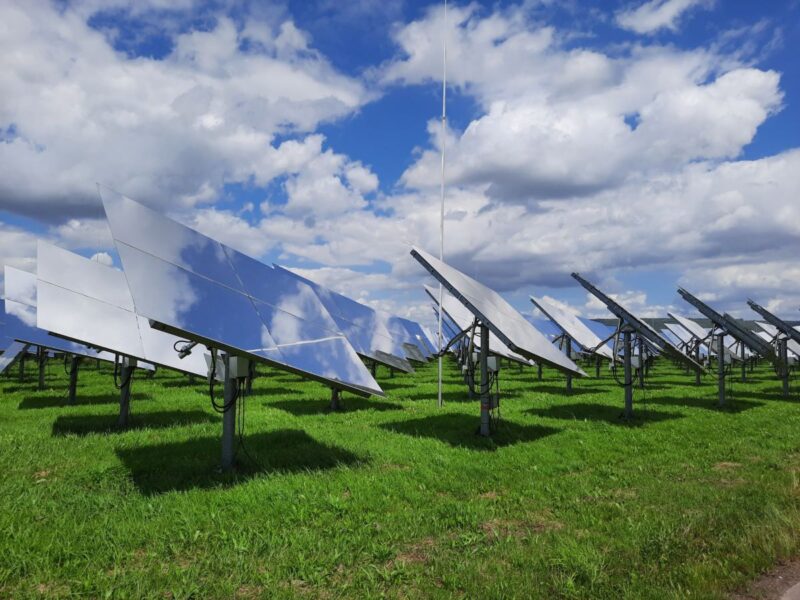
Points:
[[84, 276], [20, 286], [159, 289], [143, 228], [197, 285], [91, 302], [92, 321], [159, 349], [9, 354], [24, 312]]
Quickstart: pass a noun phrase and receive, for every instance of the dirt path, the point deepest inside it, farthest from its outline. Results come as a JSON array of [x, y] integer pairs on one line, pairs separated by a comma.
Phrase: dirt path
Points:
[[782, 583]]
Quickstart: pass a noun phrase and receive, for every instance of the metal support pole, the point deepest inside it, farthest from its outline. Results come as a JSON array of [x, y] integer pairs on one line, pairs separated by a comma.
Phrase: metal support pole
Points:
[[126, 375], [721, 367], [784, 356], [744, 362], [335, 403], [539, 370], [641, 363], [42, 355], [22, 364], [627, 351], [373, 368], [229, 418], [697, 359], [569, 355], [73, 378], [597, 361], [485, 391], [391, 372]]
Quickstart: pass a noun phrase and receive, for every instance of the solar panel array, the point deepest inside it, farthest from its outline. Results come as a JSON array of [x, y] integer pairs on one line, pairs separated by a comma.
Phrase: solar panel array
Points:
[[190, 284], [81, 299], [644, 330], [463, 319], [21, 307], [497, 314], [572, 326]]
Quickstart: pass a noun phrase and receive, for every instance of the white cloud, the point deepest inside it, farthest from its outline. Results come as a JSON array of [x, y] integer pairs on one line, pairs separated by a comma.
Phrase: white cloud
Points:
[[104, 258], [561, 122], [171, 132], [655, 15]]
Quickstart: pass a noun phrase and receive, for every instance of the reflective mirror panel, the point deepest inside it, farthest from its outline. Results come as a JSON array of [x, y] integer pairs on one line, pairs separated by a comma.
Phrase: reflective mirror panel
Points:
[[10, 353], [502, 319], [653, 339], [571, 325], [690, 326], [194, 286], [459, 314], [83, 300], [20, 316], [360, 324]]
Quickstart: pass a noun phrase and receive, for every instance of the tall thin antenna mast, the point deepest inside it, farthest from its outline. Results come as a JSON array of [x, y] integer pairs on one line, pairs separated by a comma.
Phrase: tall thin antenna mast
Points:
[[441, 214]]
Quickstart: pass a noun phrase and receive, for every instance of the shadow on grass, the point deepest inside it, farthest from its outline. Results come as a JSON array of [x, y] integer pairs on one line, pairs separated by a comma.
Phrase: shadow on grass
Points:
[[461, 431], [56, 399], [734, 404], [193, 464], [89, 424], [602, 412], [184, 383], [318, 407], [272, 392], [561, 390]]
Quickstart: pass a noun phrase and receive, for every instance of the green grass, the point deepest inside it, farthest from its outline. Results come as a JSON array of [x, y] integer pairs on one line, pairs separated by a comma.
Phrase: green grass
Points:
[[393, 496]]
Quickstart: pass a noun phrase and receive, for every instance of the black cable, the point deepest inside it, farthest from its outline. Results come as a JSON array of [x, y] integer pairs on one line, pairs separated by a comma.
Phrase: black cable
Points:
[[117, 384], [241, 427]]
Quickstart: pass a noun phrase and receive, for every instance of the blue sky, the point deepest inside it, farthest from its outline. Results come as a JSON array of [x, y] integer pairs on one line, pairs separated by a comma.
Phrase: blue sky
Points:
[[647, 144]]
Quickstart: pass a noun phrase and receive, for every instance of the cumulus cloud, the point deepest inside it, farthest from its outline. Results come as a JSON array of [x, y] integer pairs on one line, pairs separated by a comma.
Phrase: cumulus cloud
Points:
[[600, 161], [170, 131], [656, 15], [563, 122]]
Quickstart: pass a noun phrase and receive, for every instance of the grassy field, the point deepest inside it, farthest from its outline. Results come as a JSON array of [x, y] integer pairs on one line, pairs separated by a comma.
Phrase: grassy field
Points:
[[395, 497]]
